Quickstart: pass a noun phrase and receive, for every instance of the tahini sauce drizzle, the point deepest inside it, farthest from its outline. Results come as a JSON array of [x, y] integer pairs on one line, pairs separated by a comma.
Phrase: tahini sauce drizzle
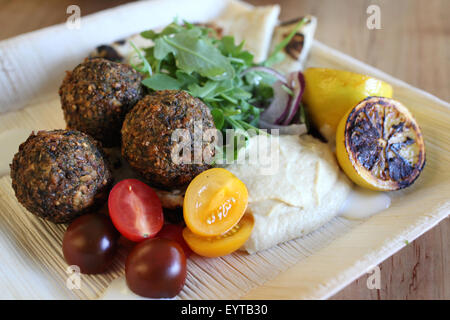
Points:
[[363, 203]]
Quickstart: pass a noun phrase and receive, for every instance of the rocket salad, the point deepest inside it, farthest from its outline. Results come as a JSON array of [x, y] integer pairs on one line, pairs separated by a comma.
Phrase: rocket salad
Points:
[[216, 70]]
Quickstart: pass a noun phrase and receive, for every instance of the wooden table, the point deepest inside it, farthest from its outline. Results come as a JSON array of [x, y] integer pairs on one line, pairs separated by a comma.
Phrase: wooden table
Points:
[[413, 44]]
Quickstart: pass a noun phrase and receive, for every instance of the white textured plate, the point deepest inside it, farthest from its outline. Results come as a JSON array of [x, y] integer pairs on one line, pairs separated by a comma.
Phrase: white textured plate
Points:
[[315, 266]]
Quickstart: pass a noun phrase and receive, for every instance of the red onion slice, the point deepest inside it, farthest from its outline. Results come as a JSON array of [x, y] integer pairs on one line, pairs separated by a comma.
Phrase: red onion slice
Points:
[[298, 88], [284, 106], [278, 108], [270, 71]]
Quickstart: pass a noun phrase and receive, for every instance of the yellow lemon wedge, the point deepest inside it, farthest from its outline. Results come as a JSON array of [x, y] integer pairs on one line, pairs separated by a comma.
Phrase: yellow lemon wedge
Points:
[[379, 145], [330, 93]]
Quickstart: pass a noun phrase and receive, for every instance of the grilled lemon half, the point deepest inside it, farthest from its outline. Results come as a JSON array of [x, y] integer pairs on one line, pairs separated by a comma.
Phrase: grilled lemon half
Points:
[[379, 145]]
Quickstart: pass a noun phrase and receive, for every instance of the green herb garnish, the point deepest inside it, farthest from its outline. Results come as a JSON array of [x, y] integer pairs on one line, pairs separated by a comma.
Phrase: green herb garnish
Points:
[[191, 58]]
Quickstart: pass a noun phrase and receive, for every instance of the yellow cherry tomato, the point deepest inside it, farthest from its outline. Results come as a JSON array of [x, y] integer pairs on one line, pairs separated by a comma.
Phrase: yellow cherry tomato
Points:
[[221, 245], [214, 202], [329, 94]]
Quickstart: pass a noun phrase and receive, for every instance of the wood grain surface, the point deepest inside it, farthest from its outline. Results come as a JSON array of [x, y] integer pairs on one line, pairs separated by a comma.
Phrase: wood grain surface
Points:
[[413, 45]]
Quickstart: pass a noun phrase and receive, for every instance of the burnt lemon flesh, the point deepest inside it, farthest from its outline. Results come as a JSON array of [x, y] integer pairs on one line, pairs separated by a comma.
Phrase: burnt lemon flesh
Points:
[[379, 145]]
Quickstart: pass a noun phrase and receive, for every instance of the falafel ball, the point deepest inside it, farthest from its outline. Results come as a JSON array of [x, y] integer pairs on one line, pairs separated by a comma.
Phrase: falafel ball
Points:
[[147, 142], [96, 95], [59, 175]]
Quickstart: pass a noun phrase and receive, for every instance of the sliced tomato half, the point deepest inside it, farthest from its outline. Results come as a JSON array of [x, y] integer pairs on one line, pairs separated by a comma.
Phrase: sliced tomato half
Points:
[[135, 210], [214, 202], [222, 245]]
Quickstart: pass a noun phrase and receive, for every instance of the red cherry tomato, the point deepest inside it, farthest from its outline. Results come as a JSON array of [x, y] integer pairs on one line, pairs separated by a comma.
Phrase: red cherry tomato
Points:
[[135, 210], [175, 232], [156, 268]]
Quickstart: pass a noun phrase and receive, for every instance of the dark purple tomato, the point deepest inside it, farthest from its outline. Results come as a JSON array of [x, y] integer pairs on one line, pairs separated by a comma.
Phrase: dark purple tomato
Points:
[[156, 268], [90, 242]]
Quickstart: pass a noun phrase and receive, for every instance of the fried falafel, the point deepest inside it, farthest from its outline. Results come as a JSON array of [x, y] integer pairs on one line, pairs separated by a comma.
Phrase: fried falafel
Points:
[[96, 95], [59, 175], [147, 137]]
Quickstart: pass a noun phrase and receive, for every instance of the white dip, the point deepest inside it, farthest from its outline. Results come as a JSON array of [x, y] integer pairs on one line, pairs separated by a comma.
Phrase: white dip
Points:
[[306, 190]]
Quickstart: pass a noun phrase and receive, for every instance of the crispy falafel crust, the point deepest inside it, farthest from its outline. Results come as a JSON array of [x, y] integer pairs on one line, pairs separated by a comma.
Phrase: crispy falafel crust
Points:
[[59, 175], [147, 137], [96, 95]]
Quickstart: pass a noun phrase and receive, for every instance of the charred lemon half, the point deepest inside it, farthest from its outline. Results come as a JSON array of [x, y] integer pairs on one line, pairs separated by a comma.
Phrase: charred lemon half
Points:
[[379, 145]]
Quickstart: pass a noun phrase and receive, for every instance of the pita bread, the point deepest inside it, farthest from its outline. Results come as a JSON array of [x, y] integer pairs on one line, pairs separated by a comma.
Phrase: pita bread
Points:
[[298, 48], [253, 25]]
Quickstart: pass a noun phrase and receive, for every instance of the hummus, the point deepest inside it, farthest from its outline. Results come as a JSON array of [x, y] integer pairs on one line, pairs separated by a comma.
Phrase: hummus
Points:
[[303, 189]]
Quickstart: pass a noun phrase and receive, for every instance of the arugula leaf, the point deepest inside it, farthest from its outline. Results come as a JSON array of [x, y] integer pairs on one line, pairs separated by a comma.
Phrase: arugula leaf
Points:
[[170, 29], [145, 68], [219, 118], [202, 91], [149, 34], [184, 78], [193, 53], [259, 77], [161, 81]]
